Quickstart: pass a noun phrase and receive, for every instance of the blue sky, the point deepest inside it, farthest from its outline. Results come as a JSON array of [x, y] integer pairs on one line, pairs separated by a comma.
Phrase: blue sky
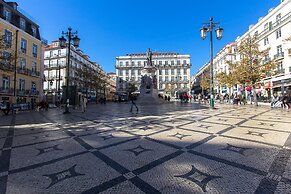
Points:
[[111, 28]]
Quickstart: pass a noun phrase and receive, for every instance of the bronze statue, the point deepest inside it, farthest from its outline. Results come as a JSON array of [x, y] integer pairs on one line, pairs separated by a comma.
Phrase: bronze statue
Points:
[[149, 57]]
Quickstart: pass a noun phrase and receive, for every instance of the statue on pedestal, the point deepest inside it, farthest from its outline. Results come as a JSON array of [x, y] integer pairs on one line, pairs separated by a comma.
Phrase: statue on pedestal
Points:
[[149, 57]]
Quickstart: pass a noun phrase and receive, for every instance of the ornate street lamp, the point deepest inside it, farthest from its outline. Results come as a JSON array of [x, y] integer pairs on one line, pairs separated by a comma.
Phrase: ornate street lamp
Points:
[[203, 32], [63, 42]]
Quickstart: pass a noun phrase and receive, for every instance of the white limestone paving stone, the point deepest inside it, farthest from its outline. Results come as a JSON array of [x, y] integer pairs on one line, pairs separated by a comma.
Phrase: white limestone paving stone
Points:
[[125, 187], [269, 124], [132, 161], [106, 138], [30, 155], [268, 136], [95, 173], [39, 137], [204, 127], [223, 120], [25, 129], [165, 177], [183, 138], [251, 154]]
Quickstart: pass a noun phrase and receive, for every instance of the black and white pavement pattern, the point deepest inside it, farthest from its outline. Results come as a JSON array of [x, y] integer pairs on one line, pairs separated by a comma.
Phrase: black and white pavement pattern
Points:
[[170, 148]]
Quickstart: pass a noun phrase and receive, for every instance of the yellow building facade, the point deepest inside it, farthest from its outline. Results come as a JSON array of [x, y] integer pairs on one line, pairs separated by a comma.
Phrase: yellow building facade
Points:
[[21, 57]]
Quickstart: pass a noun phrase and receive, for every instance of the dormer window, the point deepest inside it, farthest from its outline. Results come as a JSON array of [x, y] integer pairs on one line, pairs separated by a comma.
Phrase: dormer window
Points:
[[7, 14], [33, 29], [22, 24]]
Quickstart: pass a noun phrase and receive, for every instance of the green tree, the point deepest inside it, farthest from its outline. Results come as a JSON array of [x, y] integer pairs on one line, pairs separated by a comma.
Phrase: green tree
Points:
[[252, 67]]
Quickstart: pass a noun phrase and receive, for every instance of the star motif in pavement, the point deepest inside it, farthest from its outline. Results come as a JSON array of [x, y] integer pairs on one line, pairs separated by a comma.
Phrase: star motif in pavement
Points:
[[105, 137], [199, 178], [145, 128], [48, 149], [236, 149], [37, 137], [220, 119], [138, 150], [264, 124], [204, 126], [179, 135], [63, 175], [254, 133]]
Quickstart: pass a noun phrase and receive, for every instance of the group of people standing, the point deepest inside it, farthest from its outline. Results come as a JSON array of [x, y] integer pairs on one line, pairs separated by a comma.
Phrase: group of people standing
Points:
[[281, 101]]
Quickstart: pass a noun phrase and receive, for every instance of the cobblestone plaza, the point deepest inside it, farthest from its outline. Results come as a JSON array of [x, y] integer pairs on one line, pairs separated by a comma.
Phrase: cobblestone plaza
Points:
[[170, 148]]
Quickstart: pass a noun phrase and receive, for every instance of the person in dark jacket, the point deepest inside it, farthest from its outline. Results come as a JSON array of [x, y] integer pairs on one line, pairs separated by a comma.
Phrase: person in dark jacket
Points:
[[132, 99]]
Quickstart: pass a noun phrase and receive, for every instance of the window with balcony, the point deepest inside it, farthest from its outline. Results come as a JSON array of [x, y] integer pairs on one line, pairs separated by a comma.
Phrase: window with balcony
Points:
[[34, 50], [160, 72], [160, 86], [166, 72], [278, 18], [166, 78], [21, 84], [126, 72], [270, 26], [139, 63], [166, 62], [121, 63], [160, 78], [185, 78], [266, 41], [23, 45], [178, 62], [138, 72], [278, 33], [172, 71], [22, 63], [184, 62], [132, 63], [22, 24], [279, 50], [8, 38], [34, 67], [5, 82], [185, 71], [126, 63], [172, 78], [33, 85], [178, 71], [160, 62], [7, 14], [265, 26]]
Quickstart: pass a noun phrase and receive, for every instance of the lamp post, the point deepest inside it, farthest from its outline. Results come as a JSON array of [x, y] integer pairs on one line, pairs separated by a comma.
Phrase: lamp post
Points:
[[76, 40], [203, 31], [58, 83]]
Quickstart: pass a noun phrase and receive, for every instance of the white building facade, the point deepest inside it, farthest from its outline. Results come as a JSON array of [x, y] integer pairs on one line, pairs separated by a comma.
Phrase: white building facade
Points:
[[55, 69], [272, 32], [172, 71]]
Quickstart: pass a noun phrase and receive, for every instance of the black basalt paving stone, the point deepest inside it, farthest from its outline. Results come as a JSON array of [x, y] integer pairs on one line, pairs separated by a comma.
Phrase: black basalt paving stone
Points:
[[266, 186]]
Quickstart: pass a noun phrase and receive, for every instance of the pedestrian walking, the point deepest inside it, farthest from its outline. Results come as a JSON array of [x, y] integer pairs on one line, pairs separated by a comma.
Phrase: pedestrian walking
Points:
[[84, 103], [132, 99]]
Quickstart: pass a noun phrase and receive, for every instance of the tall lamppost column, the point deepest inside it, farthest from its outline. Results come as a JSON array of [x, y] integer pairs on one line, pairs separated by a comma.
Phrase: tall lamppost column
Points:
[[203, 31], [71, 37]]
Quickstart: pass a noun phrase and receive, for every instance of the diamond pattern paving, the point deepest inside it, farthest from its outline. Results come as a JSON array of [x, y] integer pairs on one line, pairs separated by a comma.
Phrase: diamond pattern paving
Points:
[[170, 148]]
